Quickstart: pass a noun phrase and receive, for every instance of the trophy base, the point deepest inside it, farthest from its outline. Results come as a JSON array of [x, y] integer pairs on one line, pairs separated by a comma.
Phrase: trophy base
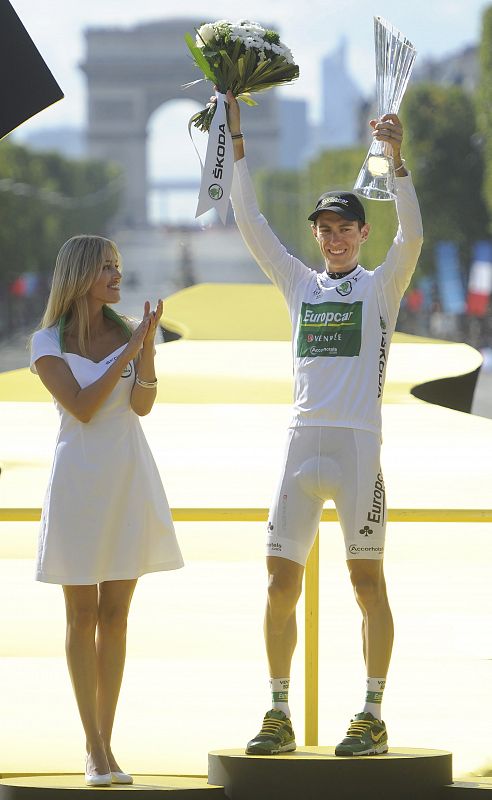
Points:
[[371, 193], [376, 180]]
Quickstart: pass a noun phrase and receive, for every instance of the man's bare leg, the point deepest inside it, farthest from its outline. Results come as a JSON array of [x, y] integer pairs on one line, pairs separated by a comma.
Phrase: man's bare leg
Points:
[[280, 628], [367, 733]]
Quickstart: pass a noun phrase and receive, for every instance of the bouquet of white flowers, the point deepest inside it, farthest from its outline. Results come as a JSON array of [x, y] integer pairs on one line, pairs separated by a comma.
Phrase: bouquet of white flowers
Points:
[[241, 56]]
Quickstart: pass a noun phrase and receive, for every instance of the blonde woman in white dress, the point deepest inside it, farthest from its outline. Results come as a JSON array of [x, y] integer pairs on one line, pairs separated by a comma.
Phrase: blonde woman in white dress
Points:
[[105, 519]]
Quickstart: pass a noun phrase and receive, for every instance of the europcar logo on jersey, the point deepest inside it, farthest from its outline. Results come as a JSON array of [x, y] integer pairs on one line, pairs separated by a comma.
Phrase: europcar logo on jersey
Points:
[[215, 191], [330, 329], [344, 288]]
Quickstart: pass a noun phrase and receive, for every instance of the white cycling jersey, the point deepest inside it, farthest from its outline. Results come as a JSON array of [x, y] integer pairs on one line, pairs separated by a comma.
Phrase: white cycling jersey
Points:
[[341, 328]]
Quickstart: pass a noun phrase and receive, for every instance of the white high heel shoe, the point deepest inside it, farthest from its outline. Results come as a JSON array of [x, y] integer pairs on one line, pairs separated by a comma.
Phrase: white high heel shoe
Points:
[[97, 780], [121, 777]]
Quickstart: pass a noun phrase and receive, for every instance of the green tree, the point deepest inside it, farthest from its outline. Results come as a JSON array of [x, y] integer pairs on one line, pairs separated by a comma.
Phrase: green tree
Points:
[[280, 200], [447, 163], [45, 199], [484, 102]]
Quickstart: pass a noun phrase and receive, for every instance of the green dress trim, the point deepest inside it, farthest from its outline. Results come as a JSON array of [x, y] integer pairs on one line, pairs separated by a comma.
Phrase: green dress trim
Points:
[[108, 312]]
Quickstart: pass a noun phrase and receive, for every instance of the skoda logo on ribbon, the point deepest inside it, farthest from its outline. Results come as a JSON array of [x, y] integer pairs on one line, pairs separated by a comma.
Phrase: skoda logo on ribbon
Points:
[[215, 191]]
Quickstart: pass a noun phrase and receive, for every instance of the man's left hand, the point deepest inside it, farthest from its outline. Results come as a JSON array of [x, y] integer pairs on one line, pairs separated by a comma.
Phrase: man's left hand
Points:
[[390, 130]]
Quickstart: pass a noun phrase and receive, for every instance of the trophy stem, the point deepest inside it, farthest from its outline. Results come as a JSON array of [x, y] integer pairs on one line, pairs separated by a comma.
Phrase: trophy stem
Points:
[[376, 179], [395, 56]]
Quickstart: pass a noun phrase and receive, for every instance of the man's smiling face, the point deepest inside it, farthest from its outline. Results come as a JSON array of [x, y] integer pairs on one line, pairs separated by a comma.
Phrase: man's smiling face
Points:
[[339, 240]]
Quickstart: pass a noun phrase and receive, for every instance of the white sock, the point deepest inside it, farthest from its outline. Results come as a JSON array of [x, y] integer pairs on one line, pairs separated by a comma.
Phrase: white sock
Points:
[[374, 696], [280, 694]]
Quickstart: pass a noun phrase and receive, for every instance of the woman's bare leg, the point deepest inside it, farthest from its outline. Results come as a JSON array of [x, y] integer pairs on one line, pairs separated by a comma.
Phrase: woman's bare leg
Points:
[[81, 603], [114, 605]]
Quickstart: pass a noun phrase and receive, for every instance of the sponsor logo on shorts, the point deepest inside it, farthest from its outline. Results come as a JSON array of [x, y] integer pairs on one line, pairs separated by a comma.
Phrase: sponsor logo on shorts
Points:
[[355, 549], [127, 371], [277, 546], [270, 527], [366, 531], [283, 513], [376, 512]]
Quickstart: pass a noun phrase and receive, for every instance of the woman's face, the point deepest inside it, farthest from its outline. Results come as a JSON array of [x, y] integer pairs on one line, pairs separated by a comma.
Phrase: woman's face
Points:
[[106, 287]]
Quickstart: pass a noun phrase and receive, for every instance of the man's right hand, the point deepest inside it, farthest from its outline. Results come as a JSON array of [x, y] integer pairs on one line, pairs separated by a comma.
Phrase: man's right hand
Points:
[[234, 122], [233, 114]]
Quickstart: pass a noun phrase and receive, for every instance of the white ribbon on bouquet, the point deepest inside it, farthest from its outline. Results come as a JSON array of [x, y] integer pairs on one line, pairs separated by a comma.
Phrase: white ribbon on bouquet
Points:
[[217, 171]]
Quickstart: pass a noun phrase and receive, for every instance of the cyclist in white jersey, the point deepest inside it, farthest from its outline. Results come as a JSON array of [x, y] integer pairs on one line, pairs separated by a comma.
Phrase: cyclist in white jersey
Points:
[[342, 320]]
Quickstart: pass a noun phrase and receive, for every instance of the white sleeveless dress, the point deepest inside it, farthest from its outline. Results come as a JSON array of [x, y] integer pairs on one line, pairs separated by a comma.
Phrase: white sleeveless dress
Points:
[[105, 515]]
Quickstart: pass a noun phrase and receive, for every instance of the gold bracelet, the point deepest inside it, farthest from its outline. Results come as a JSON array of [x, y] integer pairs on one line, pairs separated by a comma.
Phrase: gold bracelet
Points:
[[146, 384]]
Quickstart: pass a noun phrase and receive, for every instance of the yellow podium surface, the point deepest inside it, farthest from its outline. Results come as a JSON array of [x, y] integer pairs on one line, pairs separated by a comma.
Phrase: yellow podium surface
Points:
[[196, 676]]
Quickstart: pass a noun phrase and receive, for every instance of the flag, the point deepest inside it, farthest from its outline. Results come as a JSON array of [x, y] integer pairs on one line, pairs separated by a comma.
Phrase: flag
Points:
[[480, 280], [450, 282]]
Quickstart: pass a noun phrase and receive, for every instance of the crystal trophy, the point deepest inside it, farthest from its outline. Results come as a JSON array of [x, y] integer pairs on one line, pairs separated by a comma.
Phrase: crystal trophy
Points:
[[395, 56]]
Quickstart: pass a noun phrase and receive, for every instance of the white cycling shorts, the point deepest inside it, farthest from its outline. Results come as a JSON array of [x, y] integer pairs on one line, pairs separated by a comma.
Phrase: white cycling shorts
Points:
[[322, 463]]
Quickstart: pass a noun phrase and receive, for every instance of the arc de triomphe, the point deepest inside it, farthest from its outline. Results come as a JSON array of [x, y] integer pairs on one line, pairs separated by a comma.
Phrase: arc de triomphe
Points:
[[130, 73]]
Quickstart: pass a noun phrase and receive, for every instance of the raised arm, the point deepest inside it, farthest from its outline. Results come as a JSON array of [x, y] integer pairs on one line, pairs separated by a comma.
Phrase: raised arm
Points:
[[399, 265], [283, 269]]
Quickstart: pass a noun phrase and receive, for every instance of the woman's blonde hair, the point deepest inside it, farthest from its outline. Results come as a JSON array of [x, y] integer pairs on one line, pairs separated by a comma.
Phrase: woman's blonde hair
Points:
[[78, 265]]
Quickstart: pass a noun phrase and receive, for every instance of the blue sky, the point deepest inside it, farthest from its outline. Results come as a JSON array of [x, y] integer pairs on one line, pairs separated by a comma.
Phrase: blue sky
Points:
[[310, 29]]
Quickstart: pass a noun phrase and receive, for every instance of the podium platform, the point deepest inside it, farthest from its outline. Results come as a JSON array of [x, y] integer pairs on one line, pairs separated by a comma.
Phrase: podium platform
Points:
[[308, 774], [315, 773], [467, 790], [219, 428], [72, 787]]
